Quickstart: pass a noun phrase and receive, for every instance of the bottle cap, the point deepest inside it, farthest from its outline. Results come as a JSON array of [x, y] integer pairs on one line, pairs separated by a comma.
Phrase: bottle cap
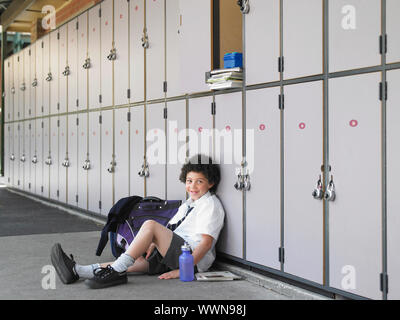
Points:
[[186, 247]]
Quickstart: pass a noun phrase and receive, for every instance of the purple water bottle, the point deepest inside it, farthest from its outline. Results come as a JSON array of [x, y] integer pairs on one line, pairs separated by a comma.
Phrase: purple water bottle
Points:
[[186, 265]]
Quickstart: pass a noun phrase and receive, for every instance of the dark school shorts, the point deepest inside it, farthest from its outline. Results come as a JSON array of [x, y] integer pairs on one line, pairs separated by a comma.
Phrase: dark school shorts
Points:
[[159, 265]]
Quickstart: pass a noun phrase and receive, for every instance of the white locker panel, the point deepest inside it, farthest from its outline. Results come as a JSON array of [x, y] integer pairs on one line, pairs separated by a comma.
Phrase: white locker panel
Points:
[[195, 55], [392, 27], [94, 54], [27, 156], [354, 31], [82, 56], [11, 154], [228, 153], [106, 161], [176, 149], [136, 50], [262, 51], [63, 82], [17, 86], [121, 64], [16, 153], [7, 93], [106, 31], [27, 83], [55, 158], [173, 59], [121, 175], [39, 156], [46, 72], [94, 173], [62, 149], [156, 151], [33, 154], [31, 82], [72, 172], [72, 59], [40, 77], [46, 157], [21, 154], [55, 72], [155, 54], [21, 86], [7, 151], [393, 201], [303, 242], [137, 151], [263, 157], [355, 156], [302, 37], [82, 186]]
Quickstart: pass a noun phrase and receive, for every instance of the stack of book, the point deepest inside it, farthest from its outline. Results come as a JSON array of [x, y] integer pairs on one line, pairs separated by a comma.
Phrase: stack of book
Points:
[[225, 79]]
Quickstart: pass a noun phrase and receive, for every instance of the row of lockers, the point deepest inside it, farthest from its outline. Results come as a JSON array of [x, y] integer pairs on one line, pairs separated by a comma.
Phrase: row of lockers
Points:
[[98, 59], [283, 232]]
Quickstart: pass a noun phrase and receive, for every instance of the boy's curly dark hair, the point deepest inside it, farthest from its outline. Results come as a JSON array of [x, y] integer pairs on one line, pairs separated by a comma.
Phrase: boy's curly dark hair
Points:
[[202, 164]]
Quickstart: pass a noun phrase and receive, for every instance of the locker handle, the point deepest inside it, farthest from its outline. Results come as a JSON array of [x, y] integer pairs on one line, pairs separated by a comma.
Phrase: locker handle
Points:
[[86, 165], [34, 160], [13, 90], [12, 157], [65, 163], [111, 169], [318, 193], [49, 161], [23, 159], [49, 77], [87, 64], [34, 83], [23, 87], [145, 40], [330, 193], [66, 71], [244, 6], [113, 54]]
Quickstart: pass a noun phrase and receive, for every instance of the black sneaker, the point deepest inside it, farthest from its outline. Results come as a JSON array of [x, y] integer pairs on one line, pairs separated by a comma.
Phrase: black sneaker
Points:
[[64, 265], [106, 277]]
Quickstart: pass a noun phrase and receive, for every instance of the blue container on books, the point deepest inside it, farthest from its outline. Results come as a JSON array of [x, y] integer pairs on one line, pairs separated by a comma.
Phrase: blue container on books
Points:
[[233, 60]]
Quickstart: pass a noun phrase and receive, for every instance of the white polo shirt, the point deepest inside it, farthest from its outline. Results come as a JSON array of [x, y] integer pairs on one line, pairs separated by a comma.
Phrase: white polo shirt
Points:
[[207, 217]]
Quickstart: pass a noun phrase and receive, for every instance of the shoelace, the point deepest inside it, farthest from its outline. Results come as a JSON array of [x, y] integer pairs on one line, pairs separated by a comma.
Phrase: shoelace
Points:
[[103, 272]]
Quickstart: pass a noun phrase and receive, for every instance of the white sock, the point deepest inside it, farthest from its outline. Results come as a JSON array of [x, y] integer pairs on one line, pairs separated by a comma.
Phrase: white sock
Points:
[[86, 272], [123, 263]]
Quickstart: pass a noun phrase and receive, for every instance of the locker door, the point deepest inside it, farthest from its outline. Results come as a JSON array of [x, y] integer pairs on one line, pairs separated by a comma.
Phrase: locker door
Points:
[[55, 72], [173, 65], [31, 82], [26, 156], [12, 154], [7, 151], [195, 55], [122, 153], [200, 127], [121, 64], [17, 154], [17, 86], [106, 46], [94, 173], [46, 72], [156, 150], [55, 158], [39, 156], [137, 150], [176, 151], [302, 37], [262, 51], [27, 83], [6, 89], [137, 51], [82, 156], [33, 156], [155, 55], [303, 242], [73, 160], [40, 77], [355, 157], [46, 158], [393, 174], [392, 27], [62, 149], [228, 153], [21, 85], [82, 56], [94, 54], [63, 42], [354, 34], [106, 161], [72, 59], [263, 157]]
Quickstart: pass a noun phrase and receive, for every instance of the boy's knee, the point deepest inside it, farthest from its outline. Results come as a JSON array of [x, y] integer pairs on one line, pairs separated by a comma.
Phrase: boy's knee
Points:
[[149, 224]]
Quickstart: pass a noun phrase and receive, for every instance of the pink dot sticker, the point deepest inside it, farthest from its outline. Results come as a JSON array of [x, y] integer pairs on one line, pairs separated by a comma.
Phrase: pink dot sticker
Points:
[[94, 133], [302, 126], [353, 123], [155, 131], [137, 131], [176, 130], [136, 8], [121, 16], [121, 132], [83, 134], [262, 127], [106, 23], [200, 129], [107, 133], [72, 134], [228, 128]]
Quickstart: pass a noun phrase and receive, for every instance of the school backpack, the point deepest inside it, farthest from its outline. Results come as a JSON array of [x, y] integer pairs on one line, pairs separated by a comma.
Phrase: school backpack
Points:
[[149, 208]]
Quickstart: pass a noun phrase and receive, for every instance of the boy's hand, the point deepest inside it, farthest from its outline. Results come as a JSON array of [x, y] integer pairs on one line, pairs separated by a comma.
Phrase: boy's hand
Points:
[[174, 274], [150, 250]]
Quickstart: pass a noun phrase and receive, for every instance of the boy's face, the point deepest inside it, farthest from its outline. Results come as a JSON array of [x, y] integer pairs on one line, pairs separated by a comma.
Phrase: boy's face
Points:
[[197, 185]]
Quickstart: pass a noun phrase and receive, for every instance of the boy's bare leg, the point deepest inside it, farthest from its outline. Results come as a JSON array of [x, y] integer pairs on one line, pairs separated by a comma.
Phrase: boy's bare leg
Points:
[[140, 265]]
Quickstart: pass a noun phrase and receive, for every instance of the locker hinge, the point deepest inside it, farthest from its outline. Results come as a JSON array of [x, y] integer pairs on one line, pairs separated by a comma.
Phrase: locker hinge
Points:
[[42, 125], [99, 204], [165, 88], [129, 117], [42, 109], [41, 189], [282, 255], [58, 106], [281, 102], [383, 91], [18, 184], [29, 185], [165, 113], [281, 64], [77, 102], [18, 58], [100, 98], [58, 193], [100, 119], [213, 108], [77, 25], [77, 121], [58, 36], [29, 51], [58, 123], [42, 44], [30, 127], [384, 279], [383, 44], [100, 13], [76, 198], [129, 93]]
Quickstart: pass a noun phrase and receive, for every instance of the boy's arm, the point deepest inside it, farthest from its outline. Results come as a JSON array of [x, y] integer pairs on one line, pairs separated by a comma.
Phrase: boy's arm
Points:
[[198, 254]]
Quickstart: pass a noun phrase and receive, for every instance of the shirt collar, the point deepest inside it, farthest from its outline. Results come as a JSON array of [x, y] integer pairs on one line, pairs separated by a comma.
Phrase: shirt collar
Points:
[[191, 203]]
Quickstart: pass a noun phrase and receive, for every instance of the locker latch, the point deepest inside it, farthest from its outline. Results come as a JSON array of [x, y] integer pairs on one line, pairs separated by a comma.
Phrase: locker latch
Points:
[[49, 161], [330, 193], [145, 39], [49, 77], [87, 64], [23, 158], [113, 54], [66, 71], [34, 83], [244, 6], [144, 172], [23, 87], [66, 163], [13, 90], [12, 157], [318, 193], [243, 181], [34, 159], [111, 169], [86, 165]]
